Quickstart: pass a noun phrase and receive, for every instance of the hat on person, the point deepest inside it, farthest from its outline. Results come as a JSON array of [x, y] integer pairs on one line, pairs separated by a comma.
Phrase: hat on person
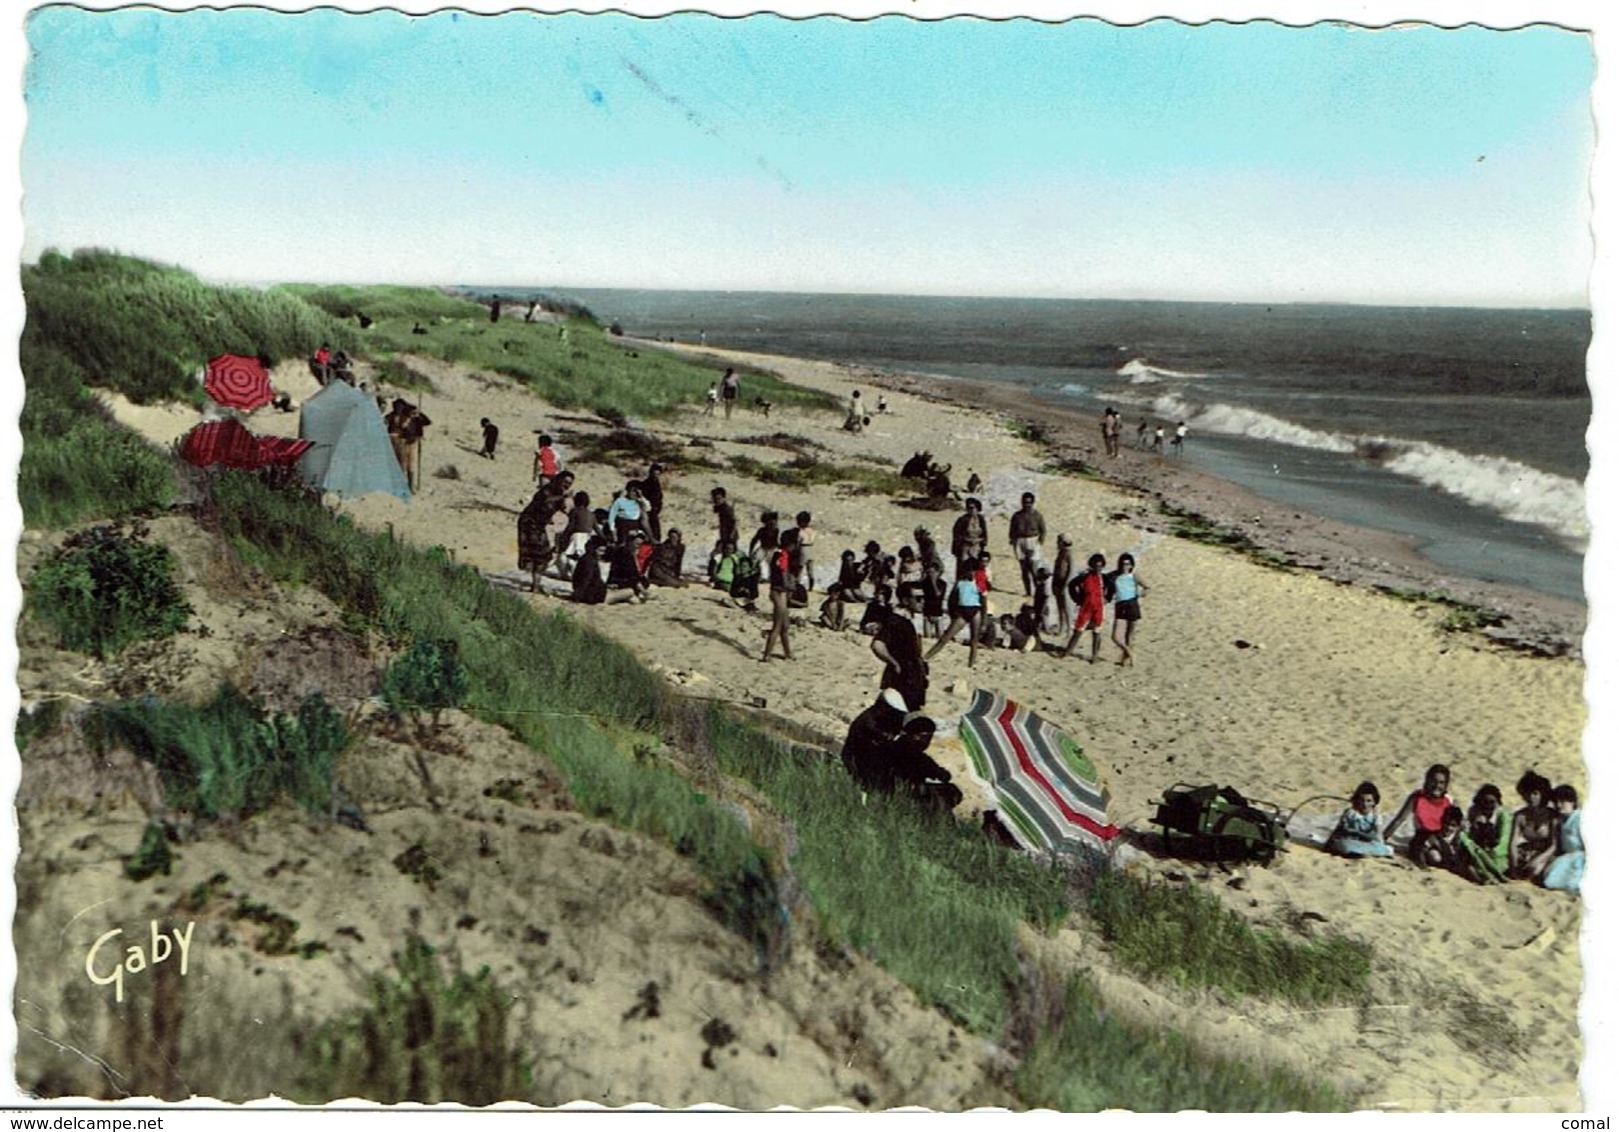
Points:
[[893, 699]]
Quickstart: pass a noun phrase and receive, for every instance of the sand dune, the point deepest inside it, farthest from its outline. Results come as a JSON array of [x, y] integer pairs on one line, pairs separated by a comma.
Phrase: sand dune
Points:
[[1340, 684]]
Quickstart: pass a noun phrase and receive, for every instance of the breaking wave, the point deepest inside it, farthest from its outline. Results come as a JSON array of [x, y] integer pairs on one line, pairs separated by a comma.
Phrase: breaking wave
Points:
[[1140, 372], [1507, 487]]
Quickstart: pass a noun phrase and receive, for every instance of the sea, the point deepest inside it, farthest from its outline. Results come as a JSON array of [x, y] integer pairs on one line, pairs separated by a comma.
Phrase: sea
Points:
[[1463, 429]]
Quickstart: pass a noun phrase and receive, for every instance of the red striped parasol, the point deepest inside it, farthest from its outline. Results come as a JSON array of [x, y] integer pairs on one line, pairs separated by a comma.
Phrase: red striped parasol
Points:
[[220, 442], [281, 450], [238, 382]]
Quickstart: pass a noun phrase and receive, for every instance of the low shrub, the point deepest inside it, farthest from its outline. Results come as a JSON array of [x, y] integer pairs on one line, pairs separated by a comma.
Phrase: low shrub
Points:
[[228, 757], [106, 588], [427, 677], [424, 1036]]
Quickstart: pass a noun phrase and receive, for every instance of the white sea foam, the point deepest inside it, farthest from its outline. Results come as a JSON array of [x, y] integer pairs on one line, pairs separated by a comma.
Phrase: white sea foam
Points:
[[1507, 487], [1515, 490], [1233, 420], [1141, 372]]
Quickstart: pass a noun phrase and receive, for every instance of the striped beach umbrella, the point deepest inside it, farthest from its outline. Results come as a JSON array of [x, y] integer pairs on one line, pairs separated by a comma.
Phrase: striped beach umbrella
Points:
[[237, 382], [281, 450], [1049, 791], [220, 442]]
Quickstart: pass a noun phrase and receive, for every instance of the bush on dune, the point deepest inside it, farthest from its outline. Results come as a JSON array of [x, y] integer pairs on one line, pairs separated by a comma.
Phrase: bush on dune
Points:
[[106, 588]]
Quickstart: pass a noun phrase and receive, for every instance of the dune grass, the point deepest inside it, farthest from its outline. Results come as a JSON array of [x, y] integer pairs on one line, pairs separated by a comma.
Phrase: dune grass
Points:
[[1087, 1061], [228, 758], [76, 462], [425, 1035], [1186, 935], [572, 364], [107, 588], [145, 329]]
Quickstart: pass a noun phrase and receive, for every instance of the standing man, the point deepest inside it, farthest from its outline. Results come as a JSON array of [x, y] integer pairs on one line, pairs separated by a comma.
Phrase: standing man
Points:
[[730, 390], [652, 495], [1026, 533], [405, 427]]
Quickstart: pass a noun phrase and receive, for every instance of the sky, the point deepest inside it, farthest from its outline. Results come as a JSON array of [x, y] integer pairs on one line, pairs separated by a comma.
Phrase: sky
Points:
[[1079, 159]]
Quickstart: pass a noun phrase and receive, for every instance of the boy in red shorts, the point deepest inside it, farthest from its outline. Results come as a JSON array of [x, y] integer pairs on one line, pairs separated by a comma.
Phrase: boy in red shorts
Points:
[[1089, 592]]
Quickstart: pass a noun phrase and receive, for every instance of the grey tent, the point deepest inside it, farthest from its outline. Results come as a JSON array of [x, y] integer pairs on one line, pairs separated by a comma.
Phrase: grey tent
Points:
[[352, 453]]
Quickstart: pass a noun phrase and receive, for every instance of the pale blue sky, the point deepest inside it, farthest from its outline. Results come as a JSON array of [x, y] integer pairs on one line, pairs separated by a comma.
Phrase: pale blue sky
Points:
[[1244, 162]]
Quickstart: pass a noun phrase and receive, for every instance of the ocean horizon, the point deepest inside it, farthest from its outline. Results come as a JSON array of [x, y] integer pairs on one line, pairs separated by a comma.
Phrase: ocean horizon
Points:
[[1461, 429]]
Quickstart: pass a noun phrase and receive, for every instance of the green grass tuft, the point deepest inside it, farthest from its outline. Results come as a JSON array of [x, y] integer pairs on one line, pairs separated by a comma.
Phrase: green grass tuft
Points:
[[1186, 935], [424, 1036]]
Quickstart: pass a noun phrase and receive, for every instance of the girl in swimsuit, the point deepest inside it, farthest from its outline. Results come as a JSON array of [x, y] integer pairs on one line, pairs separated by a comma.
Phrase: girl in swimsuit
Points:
[[1425, 807], [1534, 830], [1127, 591]]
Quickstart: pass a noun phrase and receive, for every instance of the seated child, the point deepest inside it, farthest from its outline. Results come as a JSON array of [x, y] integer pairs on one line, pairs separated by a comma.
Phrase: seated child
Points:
[[1568, 867], [1426, 807], [1357, 833], [832, 615], [722, 567], [1013, 635], [1443, 850]]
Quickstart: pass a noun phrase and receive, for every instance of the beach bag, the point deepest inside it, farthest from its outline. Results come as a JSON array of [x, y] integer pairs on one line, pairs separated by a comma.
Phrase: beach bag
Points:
[[745, 579]]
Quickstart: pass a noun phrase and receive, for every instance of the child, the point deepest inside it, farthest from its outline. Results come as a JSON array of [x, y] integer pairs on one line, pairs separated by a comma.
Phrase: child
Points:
[[934, 589], [722, 569], [1443, 850], [1089, 592], [1356, 834], [832, 615], [968, 611], [1042, 597], [546, 464], [491, 435], [806, 552]]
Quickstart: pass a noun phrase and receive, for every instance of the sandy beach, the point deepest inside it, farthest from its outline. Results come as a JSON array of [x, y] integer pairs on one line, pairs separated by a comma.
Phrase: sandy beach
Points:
[[1288, 685]]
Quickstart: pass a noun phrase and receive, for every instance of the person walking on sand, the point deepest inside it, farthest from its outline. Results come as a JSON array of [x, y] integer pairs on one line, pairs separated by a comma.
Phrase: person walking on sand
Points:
[[1112, 425], [1089, 592], [491, 437], [1158, 440], [725, 517], [546, 464], [897, 645], [1141, 435], [1026, 532], [1127, 591], [783, 567], [967, 610], [730, 390], [1180, 438], [711, 399]]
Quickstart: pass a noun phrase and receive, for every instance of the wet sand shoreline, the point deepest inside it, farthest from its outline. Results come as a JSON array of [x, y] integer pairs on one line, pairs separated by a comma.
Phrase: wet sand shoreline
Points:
[[1348, 554]]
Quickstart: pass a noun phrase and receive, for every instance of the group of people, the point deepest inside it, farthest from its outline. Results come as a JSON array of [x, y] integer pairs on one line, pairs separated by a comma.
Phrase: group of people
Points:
[[1539, 842], [326, 365], [625, 538], [916, 585]]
